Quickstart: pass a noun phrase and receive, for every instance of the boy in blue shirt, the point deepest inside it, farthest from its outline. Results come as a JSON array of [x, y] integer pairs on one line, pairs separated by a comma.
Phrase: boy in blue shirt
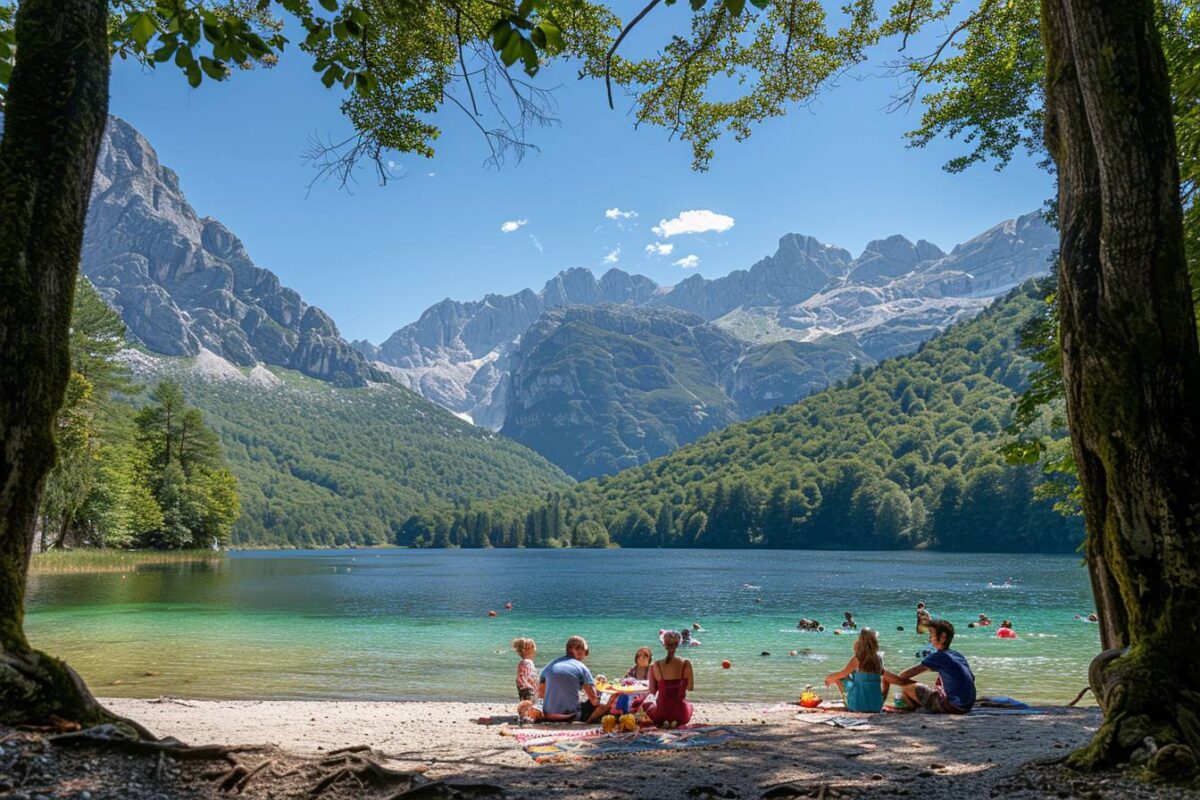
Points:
[[954, 690]]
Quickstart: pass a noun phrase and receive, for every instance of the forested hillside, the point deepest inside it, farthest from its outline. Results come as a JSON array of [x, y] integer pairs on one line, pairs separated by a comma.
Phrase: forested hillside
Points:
[[903, 455], [154, 478], [321, 465], [596, 389]]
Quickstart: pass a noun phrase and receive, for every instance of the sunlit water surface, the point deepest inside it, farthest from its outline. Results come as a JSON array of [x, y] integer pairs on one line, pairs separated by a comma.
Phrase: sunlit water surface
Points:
[[413, 624]]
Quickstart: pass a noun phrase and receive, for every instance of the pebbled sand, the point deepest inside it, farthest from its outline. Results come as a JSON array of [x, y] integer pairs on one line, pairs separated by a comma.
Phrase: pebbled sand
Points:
[[898, 756]]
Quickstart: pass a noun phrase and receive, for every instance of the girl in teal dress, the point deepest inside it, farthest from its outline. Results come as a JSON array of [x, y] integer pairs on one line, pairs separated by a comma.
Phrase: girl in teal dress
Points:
[[862, 678]]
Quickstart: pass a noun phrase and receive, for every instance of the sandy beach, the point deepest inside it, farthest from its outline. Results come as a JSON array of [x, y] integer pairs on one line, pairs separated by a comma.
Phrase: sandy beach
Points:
[[895, 756]]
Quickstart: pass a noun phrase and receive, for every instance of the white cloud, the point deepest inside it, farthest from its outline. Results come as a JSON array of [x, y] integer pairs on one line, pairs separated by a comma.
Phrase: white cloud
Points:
[[616, 213], [695, 221], [687, 262], [512, 225], [431, 174], [613, 255], [659, 249], [392, 164], [537, 243]]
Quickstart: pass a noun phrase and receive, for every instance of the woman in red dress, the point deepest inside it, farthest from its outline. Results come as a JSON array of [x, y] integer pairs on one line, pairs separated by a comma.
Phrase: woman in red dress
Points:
[[671, 679]]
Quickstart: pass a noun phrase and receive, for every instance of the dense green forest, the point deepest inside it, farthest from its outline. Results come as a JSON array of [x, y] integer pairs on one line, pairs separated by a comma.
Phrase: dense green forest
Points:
[[598, 389], [903, 455], [320, 466], [154, 477]]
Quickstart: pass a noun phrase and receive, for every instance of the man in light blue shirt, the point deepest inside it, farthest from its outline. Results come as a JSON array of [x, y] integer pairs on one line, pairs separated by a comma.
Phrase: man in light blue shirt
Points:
[[559, 686]]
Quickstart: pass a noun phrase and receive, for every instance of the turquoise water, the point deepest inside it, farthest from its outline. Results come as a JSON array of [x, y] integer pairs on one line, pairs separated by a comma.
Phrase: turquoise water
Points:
[[413, 624]]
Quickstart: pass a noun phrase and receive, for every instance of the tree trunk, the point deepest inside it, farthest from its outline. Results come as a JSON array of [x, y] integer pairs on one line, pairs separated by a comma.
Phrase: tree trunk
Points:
[[1131, 367], [57, 107]]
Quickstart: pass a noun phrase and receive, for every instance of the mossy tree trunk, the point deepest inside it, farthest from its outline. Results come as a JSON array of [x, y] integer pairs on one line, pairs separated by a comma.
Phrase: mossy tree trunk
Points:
[[1131, 367], [57, 107]]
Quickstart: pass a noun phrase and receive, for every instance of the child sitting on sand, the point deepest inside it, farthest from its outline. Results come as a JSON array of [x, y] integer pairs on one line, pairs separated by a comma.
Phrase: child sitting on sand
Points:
[[640, 671], [862, 677], [527, 674]]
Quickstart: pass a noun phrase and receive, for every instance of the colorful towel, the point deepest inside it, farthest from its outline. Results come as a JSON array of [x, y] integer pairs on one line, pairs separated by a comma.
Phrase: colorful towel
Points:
[[568, 748], [541, 735]]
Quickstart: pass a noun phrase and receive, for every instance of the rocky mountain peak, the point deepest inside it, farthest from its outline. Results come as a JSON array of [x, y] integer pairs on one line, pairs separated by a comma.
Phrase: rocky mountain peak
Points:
[[887, 301], [184, 284]]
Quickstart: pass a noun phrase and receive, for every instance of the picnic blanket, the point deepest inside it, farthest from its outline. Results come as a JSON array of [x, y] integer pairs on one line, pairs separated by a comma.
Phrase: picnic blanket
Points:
[[597, 744]]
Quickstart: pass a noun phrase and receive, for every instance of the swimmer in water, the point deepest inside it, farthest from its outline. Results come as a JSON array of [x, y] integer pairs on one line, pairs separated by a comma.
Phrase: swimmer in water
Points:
[[849, 623], [923, 618]]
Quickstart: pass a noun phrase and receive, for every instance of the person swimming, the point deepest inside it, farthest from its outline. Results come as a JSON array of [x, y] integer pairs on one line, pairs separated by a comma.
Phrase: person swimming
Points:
[[849, 623], [923, 618]]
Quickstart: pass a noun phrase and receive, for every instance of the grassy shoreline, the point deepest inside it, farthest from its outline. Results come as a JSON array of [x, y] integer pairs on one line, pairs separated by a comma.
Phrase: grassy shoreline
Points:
[[97, 560]]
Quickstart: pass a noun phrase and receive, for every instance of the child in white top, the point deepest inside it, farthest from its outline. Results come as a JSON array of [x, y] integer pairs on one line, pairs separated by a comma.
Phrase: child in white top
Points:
[[527, 673]]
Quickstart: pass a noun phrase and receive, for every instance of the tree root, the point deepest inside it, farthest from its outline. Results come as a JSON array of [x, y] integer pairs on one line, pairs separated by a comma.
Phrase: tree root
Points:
[[358, 765], [1150, 721], [36, 688], [364, 771]]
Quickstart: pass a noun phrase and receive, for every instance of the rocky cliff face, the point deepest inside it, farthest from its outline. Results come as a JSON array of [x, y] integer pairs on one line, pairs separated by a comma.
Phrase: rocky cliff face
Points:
[[596, 389], [893, 296], [184, 283], [458, 354]]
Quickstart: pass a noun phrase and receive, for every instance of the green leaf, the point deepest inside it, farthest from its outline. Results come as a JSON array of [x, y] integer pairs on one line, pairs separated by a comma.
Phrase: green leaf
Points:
[[348, 80], [512, 49], [165, 52], [143, 28], [193, 74], [500, 35], [353, 27], [328, 78], [736, 7], [529, 57], [538, 38], [362, 83], [340, 30], [5, 72], [183, 57], [697, 5], [212, 32], [760, 4], [317, 35], [329, 5], [213, 69], [360, 17], [554, 40], [255, 44]]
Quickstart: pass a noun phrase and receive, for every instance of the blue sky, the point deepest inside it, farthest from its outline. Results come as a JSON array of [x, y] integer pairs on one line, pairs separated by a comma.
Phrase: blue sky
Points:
[[375, 258]]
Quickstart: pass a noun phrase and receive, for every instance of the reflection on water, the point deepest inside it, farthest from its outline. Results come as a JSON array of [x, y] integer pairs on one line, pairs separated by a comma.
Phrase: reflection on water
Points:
[[413, 624]]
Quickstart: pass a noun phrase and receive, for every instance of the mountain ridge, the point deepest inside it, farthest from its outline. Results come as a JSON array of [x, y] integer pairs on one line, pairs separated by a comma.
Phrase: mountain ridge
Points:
[[891, 297], [183, 283]]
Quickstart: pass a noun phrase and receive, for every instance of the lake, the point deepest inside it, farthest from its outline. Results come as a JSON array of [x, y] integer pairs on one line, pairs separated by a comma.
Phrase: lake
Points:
[[413, 624]]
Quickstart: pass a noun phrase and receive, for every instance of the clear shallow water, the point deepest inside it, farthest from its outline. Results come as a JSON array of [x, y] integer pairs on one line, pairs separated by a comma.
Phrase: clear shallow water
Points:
[[412, 624]]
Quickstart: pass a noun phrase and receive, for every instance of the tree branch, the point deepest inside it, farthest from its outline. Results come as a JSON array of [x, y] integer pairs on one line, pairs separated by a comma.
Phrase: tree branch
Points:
[[624, 32]]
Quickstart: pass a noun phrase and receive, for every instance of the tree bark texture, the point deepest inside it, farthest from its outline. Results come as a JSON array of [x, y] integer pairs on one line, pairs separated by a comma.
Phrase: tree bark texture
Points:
[[57, 107], [1131, 367]]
